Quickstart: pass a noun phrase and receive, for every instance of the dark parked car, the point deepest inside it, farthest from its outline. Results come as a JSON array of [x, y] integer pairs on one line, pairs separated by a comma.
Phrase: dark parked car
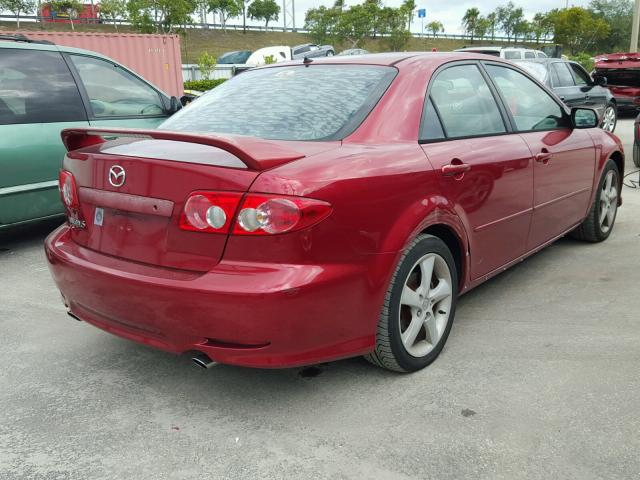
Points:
[[234, 58], [311, 50], [575, 87]]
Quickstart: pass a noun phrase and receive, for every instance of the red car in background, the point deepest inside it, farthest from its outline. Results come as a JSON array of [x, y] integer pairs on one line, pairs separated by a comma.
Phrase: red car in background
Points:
[[341, 214], [622, 71]]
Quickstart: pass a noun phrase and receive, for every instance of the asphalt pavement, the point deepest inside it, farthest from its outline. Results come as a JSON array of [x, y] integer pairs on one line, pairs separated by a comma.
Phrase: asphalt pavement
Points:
[[540, 379]]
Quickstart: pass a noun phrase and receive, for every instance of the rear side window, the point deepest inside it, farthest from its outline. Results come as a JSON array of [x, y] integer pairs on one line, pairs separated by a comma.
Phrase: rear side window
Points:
[[532, 108], [582, 77], [37, 87], [319, 102], [529, 54], [431, 128], [114, 92], [512, 55], [561, 75], [465, 103]]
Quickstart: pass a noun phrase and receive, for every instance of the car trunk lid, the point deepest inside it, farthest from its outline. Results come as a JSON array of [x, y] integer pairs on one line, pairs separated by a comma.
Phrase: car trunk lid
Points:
[[132, 186]]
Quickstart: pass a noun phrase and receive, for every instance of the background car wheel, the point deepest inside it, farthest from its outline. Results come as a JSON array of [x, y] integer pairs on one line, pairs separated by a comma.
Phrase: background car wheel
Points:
[[602, 214], [330, 53], [419, 307], [610, 118], [636, 155]]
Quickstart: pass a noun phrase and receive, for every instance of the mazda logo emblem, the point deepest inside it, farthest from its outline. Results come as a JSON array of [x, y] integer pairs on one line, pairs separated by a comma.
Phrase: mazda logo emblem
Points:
[[117, 176]]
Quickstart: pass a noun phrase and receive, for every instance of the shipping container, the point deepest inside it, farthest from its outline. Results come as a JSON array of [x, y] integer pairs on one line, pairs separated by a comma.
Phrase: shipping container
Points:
[[157, 58]]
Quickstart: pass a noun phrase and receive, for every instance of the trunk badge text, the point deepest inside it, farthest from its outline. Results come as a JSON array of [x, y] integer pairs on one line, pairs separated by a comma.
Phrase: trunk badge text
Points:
[[117, 176]]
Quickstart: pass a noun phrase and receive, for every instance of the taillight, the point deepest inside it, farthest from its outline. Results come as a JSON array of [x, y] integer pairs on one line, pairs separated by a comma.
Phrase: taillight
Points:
[[70, 199], [209, 211], [215, 212], [68, 190], [272, 214]]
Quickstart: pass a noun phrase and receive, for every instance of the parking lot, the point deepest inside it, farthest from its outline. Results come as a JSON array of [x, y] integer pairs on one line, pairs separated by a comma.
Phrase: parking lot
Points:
[[539, 379]]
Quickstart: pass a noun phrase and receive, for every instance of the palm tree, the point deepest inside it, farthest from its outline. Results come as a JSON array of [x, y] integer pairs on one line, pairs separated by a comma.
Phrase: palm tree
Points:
[[470, 21]]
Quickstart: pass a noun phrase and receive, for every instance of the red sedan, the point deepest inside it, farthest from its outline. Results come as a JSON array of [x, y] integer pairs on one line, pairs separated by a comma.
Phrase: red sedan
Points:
[[317, 210]]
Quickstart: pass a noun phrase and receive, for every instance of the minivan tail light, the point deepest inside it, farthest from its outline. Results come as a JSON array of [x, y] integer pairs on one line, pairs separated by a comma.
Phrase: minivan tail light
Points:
[[273, 214], [211, 212]]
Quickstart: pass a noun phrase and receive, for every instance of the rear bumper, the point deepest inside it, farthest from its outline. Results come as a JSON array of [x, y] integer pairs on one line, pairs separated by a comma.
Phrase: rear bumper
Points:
[[627, 104], [258, 315]]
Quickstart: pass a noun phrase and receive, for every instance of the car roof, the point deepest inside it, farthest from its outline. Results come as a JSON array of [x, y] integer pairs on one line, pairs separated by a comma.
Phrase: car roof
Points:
[[542, 60], [404, 59]]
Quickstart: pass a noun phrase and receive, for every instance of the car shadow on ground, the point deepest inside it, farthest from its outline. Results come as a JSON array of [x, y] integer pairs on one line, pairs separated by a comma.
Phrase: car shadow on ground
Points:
[[25, 236]]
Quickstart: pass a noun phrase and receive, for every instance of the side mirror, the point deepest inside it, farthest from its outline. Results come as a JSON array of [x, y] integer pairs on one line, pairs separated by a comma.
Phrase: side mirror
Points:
[[600, 81], [584, 118], [174, 105]]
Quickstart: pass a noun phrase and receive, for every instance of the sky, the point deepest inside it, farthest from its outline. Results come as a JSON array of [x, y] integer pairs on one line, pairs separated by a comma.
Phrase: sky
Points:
[[449, 13]]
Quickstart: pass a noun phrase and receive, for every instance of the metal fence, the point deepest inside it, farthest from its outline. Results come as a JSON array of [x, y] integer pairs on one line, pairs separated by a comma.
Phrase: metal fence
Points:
[[191, 72], [258, 28]]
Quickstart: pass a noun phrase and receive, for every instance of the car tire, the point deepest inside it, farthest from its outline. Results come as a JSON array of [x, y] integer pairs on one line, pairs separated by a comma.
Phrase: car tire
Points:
[[636, 155], [598, 224], [610, 118], [330, 53], [414, 325]]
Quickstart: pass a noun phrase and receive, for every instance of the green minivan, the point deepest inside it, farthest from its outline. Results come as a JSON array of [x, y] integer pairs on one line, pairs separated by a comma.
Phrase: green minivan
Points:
[[45, 88]]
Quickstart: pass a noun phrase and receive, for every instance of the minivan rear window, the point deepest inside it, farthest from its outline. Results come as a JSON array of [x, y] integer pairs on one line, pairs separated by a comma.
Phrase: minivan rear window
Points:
[[618, 77], [316, 102]]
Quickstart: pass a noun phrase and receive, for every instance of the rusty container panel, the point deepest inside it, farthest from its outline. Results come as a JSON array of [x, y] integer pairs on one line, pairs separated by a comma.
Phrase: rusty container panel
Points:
[[156, 58]]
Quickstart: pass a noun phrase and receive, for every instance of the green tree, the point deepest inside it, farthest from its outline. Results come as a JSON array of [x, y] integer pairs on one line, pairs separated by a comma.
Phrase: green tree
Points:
[[522, 29], [206, 65], [483, 26], [392, 24], [266, 10], [18, 7], [492, 22], [509, 18], [407, 8], [71, 7], [226, 9], [321, 23], [470, 21], [166, 16], [114, 10], [356, 24], [618, 14], [577, 28], [435, 27], [541, 26]]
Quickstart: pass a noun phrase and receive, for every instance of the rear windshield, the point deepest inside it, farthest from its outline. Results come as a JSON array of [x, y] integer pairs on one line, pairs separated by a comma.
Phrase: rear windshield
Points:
[[538, 70], [319, 102], [622, 78]]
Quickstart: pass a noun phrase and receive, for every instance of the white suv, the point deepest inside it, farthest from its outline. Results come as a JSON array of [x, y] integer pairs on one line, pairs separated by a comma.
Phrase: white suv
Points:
[[508, 53]]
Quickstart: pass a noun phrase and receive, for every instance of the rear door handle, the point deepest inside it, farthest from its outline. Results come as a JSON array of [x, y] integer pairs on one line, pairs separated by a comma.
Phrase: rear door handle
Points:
[[454, 169], [544, 156]]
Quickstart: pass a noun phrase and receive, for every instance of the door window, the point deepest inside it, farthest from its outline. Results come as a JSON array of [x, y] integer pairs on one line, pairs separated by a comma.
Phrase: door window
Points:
[[465, 103], [37, 87], [561, 75], [529, 54], [114, 92], [531, 107], [582, 77]]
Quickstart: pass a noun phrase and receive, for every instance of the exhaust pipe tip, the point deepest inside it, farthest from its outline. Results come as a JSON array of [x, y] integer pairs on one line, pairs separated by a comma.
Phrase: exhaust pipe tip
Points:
[[203, 361]]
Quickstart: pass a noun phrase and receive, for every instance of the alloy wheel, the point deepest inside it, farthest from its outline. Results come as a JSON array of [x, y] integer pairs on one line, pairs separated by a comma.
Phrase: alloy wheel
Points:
[[425, 305], [609, 119], [608, 201]]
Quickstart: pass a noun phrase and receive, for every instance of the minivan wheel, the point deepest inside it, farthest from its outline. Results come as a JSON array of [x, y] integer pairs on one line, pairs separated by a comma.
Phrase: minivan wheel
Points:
[[419, 307], [602, 214], [610, 118]]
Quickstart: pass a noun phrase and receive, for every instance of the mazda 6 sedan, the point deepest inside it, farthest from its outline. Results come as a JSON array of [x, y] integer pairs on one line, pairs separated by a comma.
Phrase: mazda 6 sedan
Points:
[[343, 214]]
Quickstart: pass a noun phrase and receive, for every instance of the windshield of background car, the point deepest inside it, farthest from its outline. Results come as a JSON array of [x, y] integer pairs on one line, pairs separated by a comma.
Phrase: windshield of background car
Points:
[[318, 102], [537, 70]]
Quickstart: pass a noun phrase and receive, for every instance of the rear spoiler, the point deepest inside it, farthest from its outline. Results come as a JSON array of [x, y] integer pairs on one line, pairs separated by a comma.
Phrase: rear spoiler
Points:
[[255, 153]]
